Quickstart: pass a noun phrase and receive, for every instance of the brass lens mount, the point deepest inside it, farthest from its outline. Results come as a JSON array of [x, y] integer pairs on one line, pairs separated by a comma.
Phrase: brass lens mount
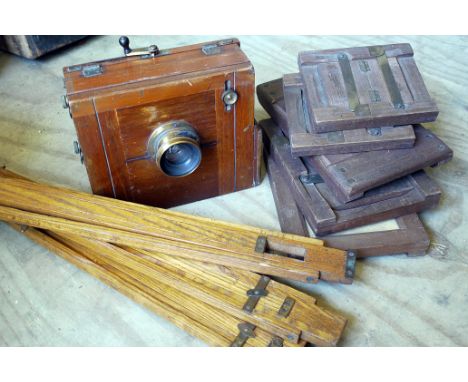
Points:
[[175, 147]]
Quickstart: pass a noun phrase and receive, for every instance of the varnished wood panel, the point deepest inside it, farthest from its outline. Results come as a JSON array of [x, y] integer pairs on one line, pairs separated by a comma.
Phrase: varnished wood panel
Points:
[[137, 122], [92, 146], [134, 172]]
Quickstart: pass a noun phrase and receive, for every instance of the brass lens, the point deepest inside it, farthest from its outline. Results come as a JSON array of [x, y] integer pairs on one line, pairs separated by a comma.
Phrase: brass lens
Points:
[[175, 146]]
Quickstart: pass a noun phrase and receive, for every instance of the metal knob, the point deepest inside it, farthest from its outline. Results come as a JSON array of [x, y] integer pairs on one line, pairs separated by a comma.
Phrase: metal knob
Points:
[[153, 50], [124, 42], [230, 97]]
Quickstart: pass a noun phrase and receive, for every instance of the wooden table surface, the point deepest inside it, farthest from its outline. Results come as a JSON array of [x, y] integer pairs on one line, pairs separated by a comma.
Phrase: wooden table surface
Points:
[[394, 301]]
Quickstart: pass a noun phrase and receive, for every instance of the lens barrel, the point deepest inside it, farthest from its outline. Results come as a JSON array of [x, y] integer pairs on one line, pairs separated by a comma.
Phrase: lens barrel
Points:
[[175, 147]]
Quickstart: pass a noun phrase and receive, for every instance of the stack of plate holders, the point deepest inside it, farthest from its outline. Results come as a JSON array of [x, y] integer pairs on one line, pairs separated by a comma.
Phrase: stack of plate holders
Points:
[[345, 144]]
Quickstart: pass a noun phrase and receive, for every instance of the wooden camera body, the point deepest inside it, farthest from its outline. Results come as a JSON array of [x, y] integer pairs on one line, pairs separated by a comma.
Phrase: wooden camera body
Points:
[[167, 127]]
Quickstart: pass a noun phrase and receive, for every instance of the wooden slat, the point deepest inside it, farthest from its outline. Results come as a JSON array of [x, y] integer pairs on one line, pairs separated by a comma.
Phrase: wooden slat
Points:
[[219, 287], [318, 262], [326, 267], [218, 320], [80, 206], [317, 325], [190, 326], [158, 278]]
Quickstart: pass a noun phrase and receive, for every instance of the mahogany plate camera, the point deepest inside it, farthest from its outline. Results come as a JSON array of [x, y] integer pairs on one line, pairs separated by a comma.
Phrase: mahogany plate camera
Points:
[[167, 127]]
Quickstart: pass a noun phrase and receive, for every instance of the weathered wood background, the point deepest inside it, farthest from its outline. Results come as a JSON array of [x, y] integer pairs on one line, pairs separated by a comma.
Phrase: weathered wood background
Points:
[[393, 301]]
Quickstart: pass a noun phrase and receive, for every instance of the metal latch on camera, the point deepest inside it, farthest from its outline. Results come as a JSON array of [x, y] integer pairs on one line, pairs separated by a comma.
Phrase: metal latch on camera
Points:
[[229, 96]]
